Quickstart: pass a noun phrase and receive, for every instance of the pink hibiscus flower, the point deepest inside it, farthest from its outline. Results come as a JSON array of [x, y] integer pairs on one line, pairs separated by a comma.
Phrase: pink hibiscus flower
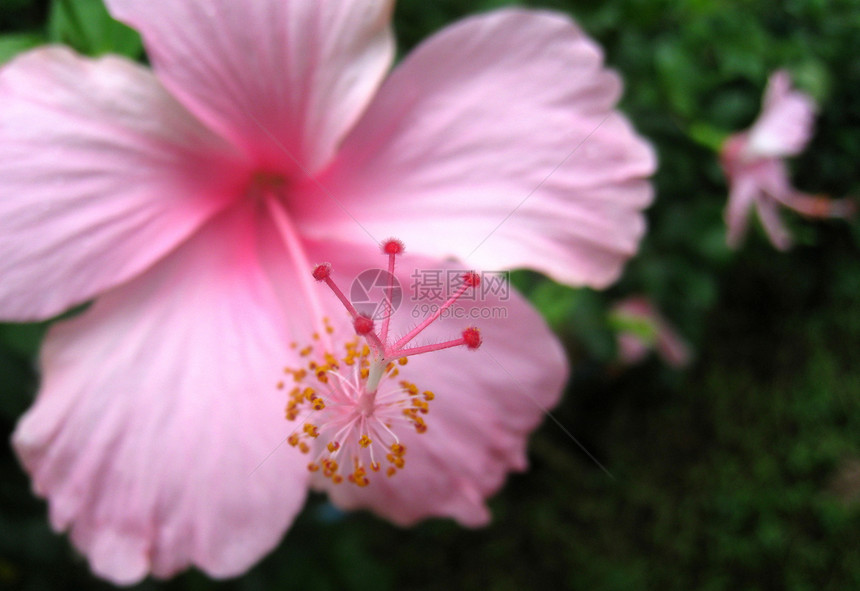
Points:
[[642, 329], [191, 201], [753, 162]]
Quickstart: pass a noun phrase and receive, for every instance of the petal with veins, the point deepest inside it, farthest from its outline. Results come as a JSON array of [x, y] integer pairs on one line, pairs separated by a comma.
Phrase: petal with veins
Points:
[[286, 79], [495, 142], [101, 172], [152, 431], [785, 124], [486, 403]]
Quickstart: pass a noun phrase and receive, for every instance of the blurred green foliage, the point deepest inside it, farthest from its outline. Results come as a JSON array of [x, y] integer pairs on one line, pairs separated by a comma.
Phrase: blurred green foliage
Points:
[[731, 475], [87, 26]]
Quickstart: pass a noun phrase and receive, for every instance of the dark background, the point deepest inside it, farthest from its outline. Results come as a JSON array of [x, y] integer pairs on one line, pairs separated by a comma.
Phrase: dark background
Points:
[[741, 472]]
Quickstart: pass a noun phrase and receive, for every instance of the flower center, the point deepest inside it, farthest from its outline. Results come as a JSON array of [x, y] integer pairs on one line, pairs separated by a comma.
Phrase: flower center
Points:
[[354, 403]]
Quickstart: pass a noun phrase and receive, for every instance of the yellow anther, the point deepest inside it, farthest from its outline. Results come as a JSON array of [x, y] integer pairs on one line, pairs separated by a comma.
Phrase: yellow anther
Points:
[[358, 479], [316, 369], [411, 388]]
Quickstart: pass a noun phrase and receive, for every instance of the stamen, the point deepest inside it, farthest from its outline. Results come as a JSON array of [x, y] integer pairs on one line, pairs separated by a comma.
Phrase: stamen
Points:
[[392, 247], [355, 416], [471, 338], [821, 206], [363, 325], [322, 272], [470, 281]]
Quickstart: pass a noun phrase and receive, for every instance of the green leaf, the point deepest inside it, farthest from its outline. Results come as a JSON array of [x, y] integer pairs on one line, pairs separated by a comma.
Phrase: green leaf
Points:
[[707, 135], [87, 26], [643, 328], [13, 44], [23, 339], [555, 302], [677, 76]]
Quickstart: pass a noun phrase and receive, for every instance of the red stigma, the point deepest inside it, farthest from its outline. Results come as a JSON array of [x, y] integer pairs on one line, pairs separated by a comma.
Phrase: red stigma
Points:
[[363, 325], [472, 279], [392, 246], [322, 271], [472, 337]]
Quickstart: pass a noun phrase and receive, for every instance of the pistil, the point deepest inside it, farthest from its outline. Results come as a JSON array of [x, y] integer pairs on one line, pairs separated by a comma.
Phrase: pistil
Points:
[[356, 406]]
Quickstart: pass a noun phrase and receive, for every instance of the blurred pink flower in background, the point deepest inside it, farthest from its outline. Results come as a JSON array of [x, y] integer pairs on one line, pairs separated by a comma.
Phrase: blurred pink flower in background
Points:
[[753, 162], [191, 203], [640, 329]]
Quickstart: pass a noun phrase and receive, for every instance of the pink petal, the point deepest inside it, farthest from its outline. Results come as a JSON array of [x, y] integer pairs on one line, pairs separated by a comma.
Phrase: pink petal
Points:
[[495, 142], [672, 348], [743, 193], [284, 78], [102, 173], [785, 124], [487, 403], [775, 181], [156, 434], [820, 206], [768, 213], [633, 347]]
